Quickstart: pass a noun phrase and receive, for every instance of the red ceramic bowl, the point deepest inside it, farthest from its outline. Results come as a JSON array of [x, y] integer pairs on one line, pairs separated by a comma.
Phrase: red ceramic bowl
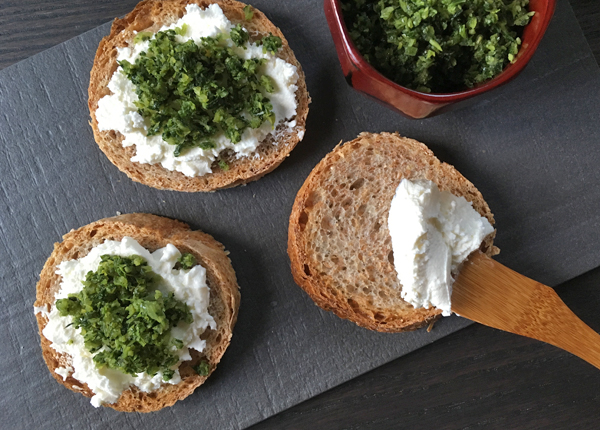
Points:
[[364, 78]]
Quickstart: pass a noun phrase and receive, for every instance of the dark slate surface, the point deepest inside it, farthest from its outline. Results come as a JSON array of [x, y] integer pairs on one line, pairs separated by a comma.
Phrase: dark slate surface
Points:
[[530, 147]]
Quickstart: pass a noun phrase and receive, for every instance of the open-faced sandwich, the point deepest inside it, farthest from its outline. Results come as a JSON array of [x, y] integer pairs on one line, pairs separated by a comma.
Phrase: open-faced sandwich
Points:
[[136, 311], [380, 227], [196, 95]]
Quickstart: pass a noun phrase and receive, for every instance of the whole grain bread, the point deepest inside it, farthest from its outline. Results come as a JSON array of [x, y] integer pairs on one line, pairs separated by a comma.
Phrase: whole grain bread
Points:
[[338, 240], [151, 15], [152, 232]]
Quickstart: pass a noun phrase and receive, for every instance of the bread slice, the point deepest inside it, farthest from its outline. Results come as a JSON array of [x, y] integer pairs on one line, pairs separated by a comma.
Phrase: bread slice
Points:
[[152, 232], [151, 16], [338, 240]]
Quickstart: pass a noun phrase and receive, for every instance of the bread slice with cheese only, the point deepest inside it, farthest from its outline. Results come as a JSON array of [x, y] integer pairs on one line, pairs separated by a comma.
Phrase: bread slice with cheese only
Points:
[[338, 241], [151, 232], [228, 170]]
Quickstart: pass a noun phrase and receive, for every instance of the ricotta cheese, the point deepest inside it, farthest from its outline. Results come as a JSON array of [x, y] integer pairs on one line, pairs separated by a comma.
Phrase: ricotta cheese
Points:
[[432, 232], [118, 112], [188, 286], [64, 372]]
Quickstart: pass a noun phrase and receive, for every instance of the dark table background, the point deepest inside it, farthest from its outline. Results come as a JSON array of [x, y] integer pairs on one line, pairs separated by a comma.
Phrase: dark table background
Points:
[[475, 378]]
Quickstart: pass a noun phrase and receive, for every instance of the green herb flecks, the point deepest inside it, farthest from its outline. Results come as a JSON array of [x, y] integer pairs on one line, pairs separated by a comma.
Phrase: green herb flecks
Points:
[[186, 261], [142, 36], [248, 12], [223, 165], [189, 92], [271, 43], [124, 319], [181, 30], [202, 368], [239, 35], [437, 45]]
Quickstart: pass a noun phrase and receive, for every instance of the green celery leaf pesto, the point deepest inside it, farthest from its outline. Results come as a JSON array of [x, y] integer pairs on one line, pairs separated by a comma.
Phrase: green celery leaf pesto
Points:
[[248, 12], [223, 165], [189, 93], [437, 45], [124, 319], [202, 368], [271, 43], [186, 261]]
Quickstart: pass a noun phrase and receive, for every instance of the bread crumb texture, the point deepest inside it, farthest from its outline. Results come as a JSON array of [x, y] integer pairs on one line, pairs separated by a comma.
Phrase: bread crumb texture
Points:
[[338, 240], [150, 16], [152, 232]]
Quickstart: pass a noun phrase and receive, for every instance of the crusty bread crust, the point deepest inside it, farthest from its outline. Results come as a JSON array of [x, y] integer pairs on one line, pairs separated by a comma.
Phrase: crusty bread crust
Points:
[[152, 232], [338, 239], [151, 15]]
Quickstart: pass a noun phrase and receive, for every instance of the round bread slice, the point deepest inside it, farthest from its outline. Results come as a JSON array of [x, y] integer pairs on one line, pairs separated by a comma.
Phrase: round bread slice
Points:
[[338, 240], [151, 16], [152, 232]]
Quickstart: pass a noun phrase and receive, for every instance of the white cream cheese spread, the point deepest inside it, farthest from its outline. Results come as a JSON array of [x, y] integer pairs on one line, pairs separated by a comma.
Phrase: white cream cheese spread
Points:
[[188, 286], [64, 372], [118, 112], [432, 232]]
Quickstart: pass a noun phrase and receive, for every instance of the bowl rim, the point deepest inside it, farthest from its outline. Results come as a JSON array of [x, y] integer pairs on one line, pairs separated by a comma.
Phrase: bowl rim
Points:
[[506, 75]]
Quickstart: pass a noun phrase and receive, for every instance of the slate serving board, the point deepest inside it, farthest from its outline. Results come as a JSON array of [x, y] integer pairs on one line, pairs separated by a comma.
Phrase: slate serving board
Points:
[[530, 147]]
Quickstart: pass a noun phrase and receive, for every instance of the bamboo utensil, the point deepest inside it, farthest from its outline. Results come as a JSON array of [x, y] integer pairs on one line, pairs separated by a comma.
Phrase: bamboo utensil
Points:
[[491, 294]]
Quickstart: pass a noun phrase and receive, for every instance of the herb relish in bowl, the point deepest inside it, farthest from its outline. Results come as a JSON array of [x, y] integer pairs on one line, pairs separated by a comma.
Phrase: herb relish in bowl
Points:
[[438, 46], [424, 57]]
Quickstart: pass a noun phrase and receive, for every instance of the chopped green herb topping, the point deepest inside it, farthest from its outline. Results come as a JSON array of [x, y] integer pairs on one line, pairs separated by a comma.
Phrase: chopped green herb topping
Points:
[[142, 36], [189, 93], [437, 45], [202, 368], [223, 165], [186, 261], [248, 12], [124, 319], [182, 30], [271, 43], [239, 35]]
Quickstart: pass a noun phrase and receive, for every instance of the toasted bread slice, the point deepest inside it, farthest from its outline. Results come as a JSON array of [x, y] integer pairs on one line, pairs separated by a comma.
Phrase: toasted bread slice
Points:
[[339, 243], [151, 16], [152, 232]]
